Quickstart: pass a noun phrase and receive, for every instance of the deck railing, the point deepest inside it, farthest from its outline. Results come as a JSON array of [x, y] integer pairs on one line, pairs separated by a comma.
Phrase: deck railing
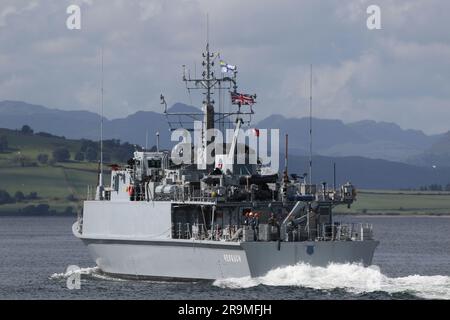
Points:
[[345, 232]]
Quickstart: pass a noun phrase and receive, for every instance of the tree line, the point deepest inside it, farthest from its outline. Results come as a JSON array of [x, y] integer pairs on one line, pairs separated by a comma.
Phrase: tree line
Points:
[[19, 196], [114, 150], [435, 187], [89, 151]]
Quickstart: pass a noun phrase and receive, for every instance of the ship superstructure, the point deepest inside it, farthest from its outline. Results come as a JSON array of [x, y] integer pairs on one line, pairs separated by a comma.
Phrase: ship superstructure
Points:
[[173, 214]]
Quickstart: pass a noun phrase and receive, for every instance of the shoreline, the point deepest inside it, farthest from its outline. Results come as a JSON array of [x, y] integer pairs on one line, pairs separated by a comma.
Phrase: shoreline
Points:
[[20, 214], [431, 215], [375, 215]]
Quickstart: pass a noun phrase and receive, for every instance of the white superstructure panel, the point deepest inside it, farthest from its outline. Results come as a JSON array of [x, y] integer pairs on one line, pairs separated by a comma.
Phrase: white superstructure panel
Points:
[[134, 219]]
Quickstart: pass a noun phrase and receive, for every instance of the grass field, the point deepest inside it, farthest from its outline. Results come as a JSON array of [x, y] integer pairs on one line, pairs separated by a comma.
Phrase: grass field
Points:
[[399, 203], [31, 145], [54, 183]]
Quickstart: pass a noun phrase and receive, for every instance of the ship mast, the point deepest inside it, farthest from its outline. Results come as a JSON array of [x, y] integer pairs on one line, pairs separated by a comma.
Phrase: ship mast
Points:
[[208, 83], [209, 74], [208, 104], [100, 188]]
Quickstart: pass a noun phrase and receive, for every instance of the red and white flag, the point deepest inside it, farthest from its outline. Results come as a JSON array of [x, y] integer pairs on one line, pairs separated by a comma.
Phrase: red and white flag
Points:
[[243, 99]]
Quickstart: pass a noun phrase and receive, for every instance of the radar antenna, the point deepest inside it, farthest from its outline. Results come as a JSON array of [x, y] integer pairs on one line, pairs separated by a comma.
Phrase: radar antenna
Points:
[[209, 83]]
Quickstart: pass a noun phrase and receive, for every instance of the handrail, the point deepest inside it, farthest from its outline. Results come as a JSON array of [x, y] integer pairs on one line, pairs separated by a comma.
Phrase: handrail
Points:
[[345, 231]]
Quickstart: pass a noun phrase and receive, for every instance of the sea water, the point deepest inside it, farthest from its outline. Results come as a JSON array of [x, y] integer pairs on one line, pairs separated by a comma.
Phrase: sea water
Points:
[[411, 262]]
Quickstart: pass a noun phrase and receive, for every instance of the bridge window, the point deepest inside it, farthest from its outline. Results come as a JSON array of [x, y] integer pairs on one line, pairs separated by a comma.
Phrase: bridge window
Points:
[[154, 163]]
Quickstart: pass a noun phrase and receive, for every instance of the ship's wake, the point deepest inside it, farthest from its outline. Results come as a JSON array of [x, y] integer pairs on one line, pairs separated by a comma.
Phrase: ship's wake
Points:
[[91, 272], [353, 278], [97, 274]]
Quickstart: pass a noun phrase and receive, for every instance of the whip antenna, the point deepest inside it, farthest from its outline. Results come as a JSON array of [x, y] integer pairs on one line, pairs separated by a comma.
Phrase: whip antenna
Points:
[[310, 126], [100, 188]]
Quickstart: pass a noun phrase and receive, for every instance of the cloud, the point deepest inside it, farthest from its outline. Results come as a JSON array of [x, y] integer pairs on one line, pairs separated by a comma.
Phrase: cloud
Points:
[[150, 9], [89, 94], [57, 46], [358, 74], [11, 8], [8, 11]]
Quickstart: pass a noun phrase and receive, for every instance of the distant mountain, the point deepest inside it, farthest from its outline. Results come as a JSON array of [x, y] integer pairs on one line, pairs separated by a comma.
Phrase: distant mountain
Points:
[[441, 146], [369, 173], [326, 133], [387, 131], [362, 172], [376, 140], [437, 155], [181, 107], [85, 124], [334, 138], [135, 127], [72, 124]]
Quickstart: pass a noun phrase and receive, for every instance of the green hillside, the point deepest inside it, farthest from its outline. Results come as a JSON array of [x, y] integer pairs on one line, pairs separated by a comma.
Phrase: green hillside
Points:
[[396, 202], [58, 184], [62, 185]]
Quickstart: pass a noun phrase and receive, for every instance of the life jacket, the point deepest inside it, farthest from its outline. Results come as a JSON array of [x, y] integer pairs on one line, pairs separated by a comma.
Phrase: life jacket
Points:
[[130, 190]]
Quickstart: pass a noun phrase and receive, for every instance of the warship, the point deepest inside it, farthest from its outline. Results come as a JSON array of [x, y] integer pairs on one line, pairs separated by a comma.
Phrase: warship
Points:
[[232, 217]]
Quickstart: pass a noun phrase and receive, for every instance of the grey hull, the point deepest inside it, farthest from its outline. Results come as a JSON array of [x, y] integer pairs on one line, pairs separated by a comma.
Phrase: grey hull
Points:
[[186, 259], [265, 256]]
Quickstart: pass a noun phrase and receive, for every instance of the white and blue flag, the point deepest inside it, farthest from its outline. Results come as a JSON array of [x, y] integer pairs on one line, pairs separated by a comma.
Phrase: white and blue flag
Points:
[[225, 67]]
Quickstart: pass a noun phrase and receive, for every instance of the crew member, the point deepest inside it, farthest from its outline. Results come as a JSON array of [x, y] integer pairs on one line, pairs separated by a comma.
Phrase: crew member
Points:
[[257, 225], [273, 222], [247, 219]]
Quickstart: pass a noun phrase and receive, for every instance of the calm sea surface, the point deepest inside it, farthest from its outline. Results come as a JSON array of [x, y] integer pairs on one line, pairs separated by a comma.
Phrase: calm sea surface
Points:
[[411, 262]]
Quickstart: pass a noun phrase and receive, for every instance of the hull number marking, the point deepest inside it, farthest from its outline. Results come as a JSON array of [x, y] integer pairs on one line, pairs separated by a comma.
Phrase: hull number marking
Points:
[[235, 258]]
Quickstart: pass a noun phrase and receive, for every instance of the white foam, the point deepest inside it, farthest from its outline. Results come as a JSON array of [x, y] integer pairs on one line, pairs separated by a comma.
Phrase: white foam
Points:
[[93, 272], [83, 271], [353, 278]]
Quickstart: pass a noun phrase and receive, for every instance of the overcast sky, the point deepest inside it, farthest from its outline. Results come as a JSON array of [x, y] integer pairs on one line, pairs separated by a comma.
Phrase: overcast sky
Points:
[[400, 73]]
